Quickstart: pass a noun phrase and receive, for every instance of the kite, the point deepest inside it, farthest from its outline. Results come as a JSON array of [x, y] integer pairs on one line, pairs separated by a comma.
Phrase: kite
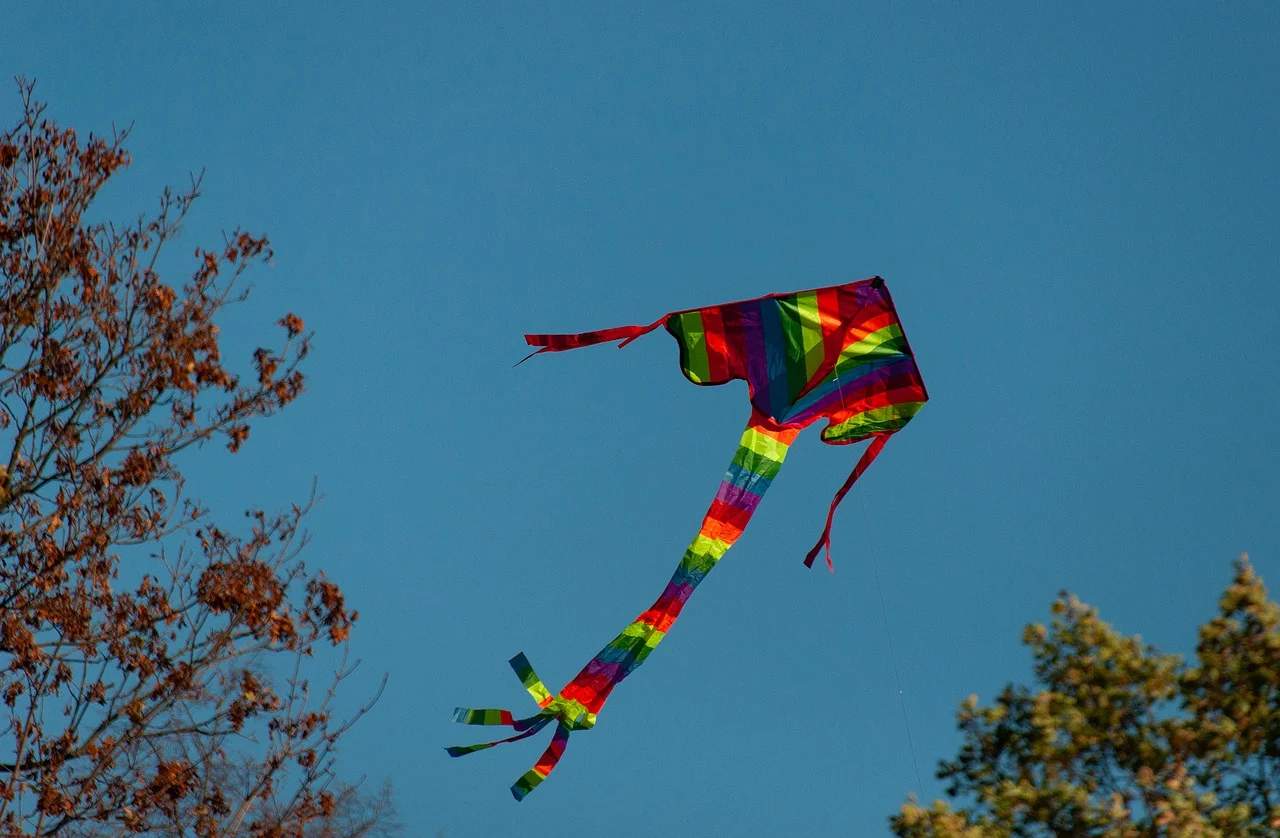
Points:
[[834, 353]]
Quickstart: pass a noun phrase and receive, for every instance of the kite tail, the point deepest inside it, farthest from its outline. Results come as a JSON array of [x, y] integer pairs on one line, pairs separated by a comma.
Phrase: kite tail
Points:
[[760, 453], [759, 456], [559, 343], [868, 456]]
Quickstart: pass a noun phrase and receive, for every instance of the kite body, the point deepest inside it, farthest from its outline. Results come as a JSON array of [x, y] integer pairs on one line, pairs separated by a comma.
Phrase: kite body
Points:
[[835, 353]]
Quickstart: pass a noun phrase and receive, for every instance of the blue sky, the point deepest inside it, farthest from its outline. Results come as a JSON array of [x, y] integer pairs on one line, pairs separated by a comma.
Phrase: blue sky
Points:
[[1075, 208]]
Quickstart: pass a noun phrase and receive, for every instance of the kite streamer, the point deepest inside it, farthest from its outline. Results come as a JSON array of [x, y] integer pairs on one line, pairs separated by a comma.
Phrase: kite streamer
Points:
[[835, 353]]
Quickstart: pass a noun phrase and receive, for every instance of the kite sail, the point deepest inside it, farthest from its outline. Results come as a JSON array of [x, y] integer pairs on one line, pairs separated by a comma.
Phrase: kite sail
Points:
[[835, 353]]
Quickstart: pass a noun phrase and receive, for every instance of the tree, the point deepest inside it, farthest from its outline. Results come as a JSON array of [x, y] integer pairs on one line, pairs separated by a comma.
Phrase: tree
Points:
[[141, 640], [1122, 740]]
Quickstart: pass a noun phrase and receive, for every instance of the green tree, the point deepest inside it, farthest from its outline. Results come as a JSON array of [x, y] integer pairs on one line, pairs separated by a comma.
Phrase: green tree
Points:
[[1118, 739]]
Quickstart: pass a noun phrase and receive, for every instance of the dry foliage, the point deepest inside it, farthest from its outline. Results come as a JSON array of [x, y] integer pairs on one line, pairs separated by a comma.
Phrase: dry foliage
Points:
[[136, 632]]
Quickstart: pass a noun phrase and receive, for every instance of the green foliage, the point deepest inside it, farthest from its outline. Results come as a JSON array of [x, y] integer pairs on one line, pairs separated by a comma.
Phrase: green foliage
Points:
[[1121, 740]]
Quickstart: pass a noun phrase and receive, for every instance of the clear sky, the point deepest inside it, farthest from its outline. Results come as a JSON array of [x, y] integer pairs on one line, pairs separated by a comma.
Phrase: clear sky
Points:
[[1075, 207]]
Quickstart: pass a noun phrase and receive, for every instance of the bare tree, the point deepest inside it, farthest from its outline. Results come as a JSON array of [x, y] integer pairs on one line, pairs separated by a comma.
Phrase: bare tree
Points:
[[139, 635]]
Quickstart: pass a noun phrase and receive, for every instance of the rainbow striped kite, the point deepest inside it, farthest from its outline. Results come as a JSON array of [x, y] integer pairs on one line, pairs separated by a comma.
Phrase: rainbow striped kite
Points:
[[834, 353]]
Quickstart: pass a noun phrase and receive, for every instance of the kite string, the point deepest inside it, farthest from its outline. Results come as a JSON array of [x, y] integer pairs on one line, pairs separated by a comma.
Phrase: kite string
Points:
[[893, 657], [884, 612]]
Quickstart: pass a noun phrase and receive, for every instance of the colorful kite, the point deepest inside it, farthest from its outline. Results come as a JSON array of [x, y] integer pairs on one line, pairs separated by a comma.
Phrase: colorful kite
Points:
[[832, 353]]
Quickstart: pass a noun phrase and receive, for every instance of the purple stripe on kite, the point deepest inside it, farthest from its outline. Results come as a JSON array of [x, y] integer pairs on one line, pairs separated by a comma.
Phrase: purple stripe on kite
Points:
[[849, 388], [626, 664], [532, 722], [675, 590], [630, 665], [757, 362], [861, 373], [558, 742], [893, 379], [867, 293], [608, 668], [738, 496]]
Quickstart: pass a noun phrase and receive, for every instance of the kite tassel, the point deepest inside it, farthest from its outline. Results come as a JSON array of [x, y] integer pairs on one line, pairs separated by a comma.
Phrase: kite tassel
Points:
[[569, 716], [531, 779], [868, 456], [530, 726]]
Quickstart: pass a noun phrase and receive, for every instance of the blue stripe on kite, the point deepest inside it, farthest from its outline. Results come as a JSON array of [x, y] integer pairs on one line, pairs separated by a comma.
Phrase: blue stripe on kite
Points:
[[820, 398], [775, 357], [744, 478], [690, 572]]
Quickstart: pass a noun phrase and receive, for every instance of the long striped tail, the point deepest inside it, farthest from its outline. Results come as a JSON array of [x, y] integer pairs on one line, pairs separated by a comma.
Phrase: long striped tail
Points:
[[760, 453]]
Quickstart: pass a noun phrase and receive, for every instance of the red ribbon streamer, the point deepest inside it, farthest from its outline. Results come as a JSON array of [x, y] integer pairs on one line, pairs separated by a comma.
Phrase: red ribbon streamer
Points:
[[869, 455], [559, 343]]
